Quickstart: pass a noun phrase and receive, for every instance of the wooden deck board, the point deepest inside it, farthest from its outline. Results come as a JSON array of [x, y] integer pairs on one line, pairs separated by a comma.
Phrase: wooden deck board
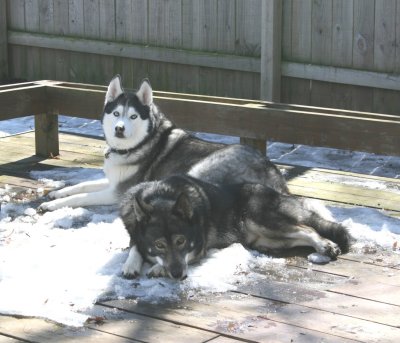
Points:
[[356, 298]]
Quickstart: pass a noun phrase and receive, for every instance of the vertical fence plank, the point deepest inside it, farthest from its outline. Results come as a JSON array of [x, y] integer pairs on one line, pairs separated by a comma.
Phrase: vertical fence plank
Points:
[[271, 47], [363, 48], [107, 32], [61, 29], [363, 45], [205, 25], [34, 68], [91, 15], [191, 73], [298, 91], [46, 25], [17, 54], [204, 39], [342, 33], [76, 29], [301, 30], [321, 51], [123, 33], [3, 41], [248, 28], [321, 32], [228, 82], [397, 60], [172, 21], [287, 30], [342, 49], [248, 43], [385, 35], [385, 52], [140, 34], [226, 26]]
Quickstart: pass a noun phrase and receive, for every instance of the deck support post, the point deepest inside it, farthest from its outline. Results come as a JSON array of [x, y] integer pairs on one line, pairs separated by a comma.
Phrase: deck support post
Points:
[[3, 41], [271, 45], [46, 135]]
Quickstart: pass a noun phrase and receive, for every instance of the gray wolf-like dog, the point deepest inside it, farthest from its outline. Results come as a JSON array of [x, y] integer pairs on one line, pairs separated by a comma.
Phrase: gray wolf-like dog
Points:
[[143, 145], [173, 222]]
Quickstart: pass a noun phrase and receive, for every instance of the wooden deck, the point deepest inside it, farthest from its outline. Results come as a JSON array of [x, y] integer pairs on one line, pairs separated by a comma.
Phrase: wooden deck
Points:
[[356, 298]]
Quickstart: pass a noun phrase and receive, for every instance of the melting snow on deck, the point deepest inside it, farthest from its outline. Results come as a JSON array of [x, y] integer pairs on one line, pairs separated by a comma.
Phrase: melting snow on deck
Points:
[[58, 264]]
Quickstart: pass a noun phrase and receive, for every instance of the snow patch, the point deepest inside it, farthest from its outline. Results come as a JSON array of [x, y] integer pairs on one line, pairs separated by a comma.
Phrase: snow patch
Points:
[[57, 265]]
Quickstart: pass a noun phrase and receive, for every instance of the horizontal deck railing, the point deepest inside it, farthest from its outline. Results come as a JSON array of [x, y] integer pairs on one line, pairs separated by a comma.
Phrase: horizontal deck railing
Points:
[[253, 121]]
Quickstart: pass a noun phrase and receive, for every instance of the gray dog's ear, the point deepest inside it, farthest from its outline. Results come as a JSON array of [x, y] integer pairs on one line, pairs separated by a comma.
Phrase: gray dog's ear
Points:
[[141, 208], [145, 93], [114, 89], [183, 208]]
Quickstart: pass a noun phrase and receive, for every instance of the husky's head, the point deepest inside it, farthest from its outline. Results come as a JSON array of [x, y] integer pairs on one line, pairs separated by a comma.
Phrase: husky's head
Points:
[[165, 230], [127, 117]]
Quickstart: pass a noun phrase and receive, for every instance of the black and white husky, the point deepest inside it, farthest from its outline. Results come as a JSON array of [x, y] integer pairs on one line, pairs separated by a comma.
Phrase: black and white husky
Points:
[[143, 145], [173, 222]]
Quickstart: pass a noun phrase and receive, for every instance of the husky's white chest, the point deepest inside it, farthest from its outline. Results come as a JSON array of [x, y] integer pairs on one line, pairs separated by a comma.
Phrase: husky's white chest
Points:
[[118, 172]]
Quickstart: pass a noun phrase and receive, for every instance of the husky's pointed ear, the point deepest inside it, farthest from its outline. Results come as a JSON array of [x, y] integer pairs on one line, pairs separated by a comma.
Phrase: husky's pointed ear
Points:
[[183, 208], [114, 89], [145, 93], [141, 209]]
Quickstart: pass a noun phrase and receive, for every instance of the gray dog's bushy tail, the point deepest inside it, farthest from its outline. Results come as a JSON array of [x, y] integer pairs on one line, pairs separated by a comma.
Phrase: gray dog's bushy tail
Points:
[[320, 218], [335, 232]]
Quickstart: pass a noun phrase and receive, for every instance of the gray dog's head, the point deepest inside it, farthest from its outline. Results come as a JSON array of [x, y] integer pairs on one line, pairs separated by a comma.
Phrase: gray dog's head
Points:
[[164, 227]]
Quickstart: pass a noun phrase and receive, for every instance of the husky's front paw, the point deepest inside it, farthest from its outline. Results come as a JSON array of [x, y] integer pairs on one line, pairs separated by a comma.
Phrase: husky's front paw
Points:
[[55, 195], [157, 271], [59, 193], [48, 206], [329, 248]]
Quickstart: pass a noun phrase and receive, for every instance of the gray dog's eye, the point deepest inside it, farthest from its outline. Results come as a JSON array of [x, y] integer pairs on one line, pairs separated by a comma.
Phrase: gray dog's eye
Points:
[[160, 245], [180, 241], [133, 116], [116, 114]]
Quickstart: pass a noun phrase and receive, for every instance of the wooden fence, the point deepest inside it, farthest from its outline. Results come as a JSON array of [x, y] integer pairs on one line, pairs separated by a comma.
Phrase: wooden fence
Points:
[[331, 53]]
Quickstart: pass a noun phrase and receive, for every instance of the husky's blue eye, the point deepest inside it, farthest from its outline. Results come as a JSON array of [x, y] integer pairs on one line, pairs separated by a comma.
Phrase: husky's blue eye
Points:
[[133, 116], [116, 114]]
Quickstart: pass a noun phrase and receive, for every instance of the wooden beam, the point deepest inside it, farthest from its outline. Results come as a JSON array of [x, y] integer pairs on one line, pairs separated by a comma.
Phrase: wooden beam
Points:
[[3, 41], [271, 45], [22, 100], [206, 59], [341, 75], [251, 119], [136, 51], [46, 135]]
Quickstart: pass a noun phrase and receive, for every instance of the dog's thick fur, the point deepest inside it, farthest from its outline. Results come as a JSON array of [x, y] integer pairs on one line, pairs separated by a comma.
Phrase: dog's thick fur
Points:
[[143, 145], [173, 222]]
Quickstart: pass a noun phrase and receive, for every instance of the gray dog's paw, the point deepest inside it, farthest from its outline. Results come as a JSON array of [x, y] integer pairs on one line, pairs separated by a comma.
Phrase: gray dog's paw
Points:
[[157, 271], [329, 248]]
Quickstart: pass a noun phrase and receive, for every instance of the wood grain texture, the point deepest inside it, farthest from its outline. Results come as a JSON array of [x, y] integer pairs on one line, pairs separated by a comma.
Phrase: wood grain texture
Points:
[[3, 41]]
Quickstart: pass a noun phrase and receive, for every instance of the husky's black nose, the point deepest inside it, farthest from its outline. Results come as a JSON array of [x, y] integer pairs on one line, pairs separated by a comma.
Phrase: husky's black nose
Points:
[[119, 130]]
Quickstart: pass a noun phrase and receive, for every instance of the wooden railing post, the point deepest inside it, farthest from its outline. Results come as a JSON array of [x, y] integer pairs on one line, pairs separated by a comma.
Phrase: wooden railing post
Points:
[[46, 135], [271, 45], [3, 41]]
